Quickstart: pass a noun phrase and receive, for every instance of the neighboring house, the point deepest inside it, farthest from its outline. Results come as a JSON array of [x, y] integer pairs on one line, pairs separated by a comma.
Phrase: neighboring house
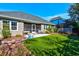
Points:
[[66, 26], [22, 22], [63, 25]]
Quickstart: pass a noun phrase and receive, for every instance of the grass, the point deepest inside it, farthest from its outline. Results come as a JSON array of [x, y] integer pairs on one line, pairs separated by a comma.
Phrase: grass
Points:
[[53, 45]]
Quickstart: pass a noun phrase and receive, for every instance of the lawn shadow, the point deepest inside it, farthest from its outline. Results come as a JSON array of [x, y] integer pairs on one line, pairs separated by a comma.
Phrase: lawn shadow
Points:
[[71, 47]]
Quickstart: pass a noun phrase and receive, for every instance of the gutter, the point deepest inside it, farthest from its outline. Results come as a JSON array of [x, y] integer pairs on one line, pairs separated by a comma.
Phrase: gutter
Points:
[[23, 20]]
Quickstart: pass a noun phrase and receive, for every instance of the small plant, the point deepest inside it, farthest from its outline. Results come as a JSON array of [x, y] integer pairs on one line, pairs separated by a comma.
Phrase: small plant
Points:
[[6, 31], [55, 29], [46, 31], [26, 32], [18, 35], [49, 30]]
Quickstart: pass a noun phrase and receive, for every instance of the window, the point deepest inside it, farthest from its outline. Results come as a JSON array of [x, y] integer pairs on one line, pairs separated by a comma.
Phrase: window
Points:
[[13, 25], [6, 24], [45, 26]]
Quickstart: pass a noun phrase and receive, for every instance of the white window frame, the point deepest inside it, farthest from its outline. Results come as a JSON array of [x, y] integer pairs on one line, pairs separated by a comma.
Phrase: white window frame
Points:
[[5, 20], [11, 26]]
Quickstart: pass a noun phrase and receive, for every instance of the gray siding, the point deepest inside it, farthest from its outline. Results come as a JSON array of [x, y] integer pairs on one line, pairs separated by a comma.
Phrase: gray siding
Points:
[[13, 32], [42, 28], [1, 26], [20, 29]]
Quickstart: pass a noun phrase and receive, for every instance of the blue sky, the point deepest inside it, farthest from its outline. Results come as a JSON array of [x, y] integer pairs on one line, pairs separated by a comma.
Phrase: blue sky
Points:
[[44, 10]]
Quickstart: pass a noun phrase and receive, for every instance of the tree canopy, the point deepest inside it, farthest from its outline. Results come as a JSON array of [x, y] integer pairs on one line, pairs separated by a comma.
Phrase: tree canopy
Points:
[[74, 15]]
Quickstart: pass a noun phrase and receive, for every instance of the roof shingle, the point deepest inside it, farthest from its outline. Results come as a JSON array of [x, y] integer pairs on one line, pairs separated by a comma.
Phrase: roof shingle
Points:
[[27, 17]]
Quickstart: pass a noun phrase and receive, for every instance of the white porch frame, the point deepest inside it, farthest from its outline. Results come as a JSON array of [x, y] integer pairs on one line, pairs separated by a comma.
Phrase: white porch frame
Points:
[[33, 28]]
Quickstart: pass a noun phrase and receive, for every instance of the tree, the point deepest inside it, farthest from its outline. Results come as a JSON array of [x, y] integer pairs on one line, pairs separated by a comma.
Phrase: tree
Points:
[[74, 16]]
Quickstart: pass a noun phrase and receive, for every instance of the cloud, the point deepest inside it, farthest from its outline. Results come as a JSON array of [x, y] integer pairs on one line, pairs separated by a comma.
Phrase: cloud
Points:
[[63, 15]]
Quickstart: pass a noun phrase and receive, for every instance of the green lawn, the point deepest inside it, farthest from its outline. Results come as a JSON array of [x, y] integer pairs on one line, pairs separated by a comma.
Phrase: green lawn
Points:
[[53, 45]]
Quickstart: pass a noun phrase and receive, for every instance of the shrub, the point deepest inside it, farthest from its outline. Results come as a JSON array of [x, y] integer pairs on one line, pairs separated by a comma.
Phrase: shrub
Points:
[[18, 35], [49, 29], [26, 32], [46, 31], [55, 29], [6, 33]]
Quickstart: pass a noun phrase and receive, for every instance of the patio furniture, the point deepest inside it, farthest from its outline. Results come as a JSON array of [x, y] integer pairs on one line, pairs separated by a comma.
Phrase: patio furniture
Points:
[[30, 36]]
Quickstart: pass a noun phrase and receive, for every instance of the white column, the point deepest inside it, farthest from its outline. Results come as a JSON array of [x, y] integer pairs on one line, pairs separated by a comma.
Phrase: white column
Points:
[[35, 27], [42, 28], [1, 27], [31, 27]]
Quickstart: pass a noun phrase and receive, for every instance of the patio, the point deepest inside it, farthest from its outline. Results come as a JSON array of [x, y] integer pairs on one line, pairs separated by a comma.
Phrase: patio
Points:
[[32, 35], [40, 35]]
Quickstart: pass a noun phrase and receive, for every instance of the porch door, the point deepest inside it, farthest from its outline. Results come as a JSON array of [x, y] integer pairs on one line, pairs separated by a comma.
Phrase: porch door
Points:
[[27, 27], [38, 27], [33, 27]]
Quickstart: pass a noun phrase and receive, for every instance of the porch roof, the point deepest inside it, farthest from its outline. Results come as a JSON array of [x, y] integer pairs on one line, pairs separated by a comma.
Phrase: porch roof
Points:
[[24, 17]]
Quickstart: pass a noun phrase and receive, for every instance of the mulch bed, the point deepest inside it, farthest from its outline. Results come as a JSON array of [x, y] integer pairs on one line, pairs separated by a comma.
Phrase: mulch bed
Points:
[[13, 47]]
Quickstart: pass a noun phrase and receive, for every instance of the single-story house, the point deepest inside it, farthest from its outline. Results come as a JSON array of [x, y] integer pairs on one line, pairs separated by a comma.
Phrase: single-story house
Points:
[[20, 22], [66, 27]]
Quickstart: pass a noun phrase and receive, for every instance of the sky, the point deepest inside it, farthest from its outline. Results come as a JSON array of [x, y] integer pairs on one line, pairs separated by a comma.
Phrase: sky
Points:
[[44, 10]]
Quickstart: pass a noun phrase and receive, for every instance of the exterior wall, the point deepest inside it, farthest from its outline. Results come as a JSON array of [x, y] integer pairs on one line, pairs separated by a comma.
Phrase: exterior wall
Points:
[[45, 26], [38, 28], [19, 30], [42, 28], [1, 26], [66, 30], [27, 27], [53, 26]]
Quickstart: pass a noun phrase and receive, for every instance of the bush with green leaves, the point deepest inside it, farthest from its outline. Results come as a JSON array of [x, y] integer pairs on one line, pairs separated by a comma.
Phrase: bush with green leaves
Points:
[[6, 30], [6, 33], [18, 35], [50, 29], [74, 17], [55, 29]]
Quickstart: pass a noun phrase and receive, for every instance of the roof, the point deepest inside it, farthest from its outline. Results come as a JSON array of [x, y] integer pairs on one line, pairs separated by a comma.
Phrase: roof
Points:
[[23, 17]]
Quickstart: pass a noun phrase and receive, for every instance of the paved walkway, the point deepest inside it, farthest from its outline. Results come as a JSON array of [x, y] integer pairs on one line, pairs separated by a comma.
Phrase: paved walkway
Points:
[[40, 35]]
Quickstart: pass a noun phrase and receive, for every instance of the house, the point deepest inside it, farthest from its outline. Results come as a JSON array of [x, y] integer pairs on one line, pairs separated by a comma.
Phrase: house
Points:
[[66, 27], [20, 22]]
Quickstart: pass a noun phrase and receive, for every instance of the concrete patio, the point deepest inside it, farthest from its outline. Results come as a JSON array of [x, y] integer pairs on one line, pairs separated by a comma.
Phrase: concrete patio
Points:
[[40, 35]]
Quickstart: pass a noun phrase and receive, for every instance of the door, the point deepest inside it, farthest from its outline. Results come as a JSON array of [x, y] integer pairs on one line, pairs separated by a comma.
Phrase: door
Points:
[[33, 27]]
